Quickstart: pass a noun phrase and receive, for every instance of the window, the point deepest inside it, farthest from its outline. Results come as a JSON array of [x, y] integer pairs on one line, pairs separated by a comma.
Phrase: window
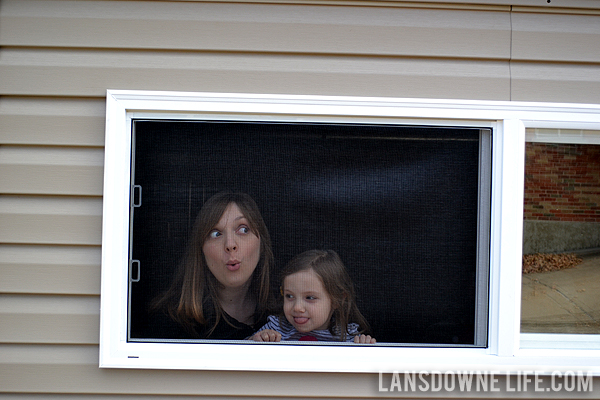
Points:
[[401, 205], [484, 182], [562, 227]]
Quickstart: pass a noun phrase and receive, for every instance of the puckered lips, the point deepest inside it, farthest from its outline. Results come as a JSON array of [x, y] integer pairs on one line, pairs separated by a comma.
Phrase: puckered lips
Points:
[[233, 265]]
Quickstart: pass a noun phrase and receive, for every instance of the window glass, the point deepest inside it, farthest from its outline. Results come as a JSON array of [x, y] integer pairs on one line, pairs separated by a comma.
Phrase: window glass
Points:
[[561, 238]]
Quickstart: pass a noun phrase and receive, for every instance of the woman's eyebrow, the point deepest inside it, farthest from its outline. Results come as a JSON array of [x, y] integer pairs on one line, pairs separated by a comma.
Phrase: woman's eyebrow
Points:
[[234, 220]]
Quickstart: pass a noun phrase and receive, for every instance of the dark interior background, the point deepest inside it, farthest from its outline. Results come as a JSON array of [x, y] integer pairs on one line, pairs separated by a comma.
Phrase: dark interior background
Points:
[[399, 204]]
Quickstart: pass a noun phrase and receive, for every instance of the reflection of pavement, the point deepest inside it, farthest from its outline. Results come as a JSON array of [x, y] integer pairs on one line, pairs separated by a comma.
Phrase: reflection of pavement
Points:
[[566, 301]]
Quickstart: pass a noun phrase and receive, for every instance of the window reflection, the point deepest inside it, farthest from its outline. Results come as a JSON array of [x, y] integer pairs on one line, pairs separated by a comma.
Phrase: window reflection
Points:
[[561, 239]]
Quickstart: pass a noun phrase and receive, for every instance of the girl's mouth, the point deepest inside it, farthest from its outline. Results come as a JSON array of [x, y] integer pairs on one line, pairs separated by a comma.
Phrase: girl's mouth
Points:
[[300, 320]]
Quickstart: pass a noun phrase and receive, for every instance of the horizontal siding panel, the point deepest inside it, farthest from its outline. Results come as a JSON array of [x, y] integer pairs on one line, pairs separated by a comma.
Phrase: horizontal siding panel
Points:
[[587, 5], [90, 73], [551, 37], [256, 28], [49, 355], [52, 121], [51, 170], [50, 220], [44, 396], [570, 83], [52, 130], [89, 379], [73, 369], [49, 319], [50, 269]]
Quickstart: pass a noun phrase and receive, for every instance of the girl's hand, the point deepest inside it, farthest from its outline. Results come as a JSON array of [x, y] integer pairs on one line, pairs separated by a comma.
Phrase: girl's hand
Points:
[[364, 339], [267, 335]]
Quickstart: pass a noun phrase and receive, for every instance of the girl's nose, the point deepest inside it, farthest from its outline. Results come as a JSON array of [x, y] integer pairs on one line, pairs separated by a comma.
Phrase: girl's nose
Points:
[[299, 306]]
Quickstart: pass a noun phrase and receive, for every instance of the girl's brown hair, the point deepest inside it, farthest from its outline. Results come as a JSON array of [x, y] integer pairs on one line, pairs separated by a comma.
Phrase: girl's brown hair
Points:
[[328, 265], [195, 287]]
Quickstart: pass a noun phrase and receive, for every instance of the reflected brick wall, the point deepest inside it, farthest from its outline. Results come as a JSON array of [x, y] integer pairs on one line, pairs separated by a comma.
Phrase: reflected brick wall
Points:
[[562, 182]]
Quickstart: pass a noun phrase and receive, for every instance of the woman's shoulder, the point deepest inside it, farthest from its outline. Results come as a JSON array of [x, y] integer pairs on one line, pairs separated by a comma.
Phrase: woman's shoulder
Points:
[[161, 326], [228, 328]]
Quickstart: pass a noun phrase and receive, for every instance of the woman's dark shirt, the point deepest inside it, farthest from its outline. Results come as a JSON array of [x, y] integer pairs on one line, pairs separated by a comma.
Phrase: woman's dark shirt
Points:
[[162, 326]]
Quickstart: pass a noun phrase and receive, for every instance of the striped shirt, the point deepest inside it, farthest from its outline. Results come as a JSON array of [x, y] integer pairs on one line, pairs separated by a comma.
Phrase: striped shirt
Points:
[[288, 332]]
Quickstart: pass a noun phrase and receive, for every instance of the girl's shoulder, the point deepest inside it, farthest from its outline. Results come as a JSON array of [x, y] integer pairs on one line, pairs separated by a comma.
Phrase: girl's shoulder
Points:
[[353, 328], [280, 324]]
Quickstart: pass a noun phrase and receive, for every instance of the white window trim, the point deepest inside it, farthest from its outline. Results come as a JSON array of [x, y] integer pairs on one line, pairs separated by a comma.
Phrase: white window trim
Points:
[[508, 349]]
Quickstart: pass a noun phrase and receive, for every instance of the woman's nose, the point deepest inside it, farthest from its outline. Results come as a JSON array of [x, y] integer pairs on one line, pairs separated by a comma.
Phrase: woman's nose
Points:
[[230, 243]]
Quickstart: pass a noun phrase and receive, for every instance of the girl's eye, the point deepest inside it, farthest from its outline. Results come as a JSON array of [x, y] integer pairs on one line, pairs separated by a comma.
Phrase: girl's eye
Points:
[[288, 296], [214, 234], [244, 229], [311, 298]]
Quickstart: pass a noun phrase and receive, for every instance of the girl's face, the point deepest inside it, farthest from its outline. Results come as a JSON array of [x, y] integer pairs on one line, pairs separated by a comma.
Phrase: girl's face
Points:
[[306, 304], [232, 249]]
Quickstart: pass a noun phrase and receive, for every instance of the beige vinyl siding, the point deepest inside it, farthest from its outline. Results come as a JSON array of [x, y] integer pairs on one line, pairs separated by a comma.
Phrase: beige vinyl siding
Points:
[[50, 269], [285, 73], [555, 57], [51, 121], [51, 170], [263, 28], [58, 58]]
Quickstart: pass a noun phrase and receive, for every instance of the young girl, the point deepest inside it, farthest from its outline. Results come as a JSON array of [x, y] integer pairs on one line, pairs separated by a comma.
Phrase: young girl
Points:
[[318, 303]]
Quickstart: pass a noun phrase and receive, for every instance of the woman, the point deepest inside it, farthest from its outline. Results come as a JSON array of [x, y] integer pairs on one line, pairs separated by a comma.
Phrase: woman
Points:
[[222, 288]]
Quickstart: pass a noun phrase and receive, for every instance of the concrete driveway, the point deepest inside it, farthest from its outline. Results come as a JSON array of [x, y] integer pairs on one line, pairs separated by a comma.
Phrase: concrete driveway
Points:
[[565, 301]]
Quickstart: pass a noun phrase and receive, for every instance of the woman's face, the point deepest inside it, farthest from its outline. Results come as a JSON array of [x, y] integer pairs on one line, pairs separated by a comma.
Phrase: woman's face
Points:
[[232, 249]]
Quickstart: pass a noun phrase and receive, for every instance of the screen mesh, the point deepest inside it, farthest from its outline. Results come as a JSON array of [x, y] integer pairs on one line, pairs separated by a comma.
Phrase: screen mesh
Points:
[[398, 203]]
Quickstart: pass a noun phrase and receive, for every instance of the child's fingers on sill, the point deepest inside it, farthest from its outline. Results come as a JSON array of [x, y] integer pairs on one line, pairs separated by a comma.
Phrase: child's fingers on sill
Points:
[[364, 339], [268, 335]]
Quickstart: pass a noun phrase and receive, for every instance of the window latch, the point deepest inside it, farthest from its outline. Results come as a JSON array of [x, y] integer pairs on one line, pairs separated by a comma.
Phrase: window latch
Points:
[[135, 278], [137, 190]]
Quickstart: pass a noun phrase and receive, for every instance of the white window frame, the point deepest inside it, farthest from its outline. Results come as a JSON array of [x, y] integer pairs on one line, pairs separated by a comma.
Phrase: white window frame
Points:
[[508, 350]]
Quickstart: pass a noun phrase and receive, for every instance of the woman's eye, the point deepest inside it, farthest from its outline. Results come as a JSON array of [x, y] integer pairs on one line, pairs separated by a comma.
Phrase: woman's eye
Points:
[[288, 296], [244, 229], [214, 234], [311, 298]]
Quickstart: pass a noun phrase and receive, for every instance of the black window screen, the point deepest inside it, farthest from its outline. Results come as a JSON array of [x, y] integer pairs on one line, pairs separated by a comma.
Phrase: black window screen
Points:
[[400, 204]]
